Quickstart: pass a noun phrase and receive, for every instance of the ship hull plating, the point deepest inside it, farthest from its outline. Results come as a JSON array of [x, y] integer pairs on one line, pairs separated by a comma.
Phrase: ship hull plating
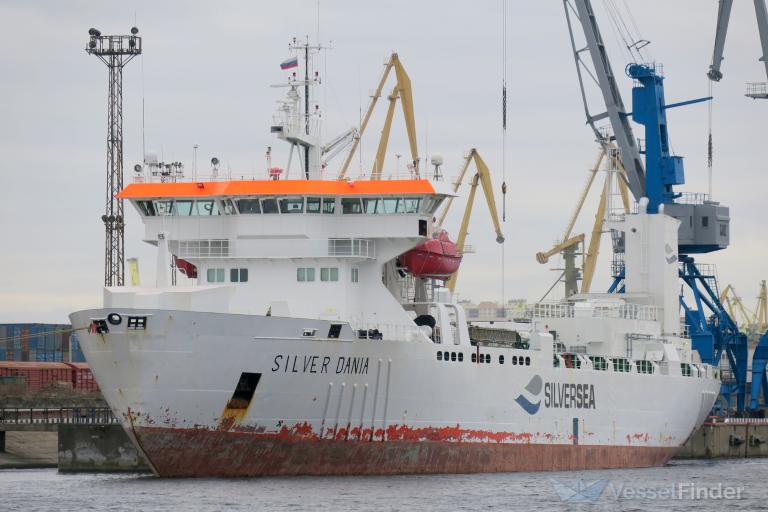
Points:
[[325, 406], [191, 453]]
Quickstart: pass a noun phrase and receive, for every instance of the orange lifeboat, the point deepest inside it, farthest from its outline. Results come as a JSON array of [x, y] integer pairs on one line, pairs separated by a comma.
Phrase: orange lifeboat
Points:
[[437, 258]]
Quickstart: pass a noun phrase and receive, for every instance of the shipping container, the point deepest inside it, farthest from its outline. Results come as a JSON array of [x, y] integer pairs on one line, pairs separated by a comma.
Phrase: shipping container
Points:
[[76, 353], [38, 375], [82, 378], [36, 342]]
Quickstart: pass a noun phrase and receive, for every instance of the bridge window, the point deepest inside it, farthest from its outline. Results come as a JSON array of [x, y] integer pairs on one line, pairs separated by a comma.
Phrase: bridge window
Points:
[[238, 275], [329, 205], [370, 205], [351, 205], [215, 275], [248, 206], [147, 208], [269, 205], [355, 275], [391, 205], [206, 208], [705, 221], [313, 205], [229, 207], [685, 369], [430, 204], [292, 205], [411, 204], [164, 208], [184, 208]]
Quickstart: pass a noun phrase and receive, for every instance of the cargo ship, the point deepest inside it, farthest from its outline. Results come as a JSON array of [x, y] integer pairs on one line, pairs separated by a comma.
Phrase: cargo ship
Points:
[[312, 338]]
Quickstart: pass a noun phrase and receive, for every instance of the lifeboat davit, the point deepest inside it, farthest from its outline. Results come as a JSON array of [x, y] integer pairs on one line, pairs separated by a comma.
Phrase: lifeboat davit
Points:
[[437, 258]]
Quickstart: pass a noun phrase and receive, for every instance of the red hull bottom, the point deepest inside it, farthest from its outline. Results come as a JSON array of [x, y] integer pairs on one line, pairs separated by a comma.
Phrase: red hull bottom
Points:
[[199, 453]]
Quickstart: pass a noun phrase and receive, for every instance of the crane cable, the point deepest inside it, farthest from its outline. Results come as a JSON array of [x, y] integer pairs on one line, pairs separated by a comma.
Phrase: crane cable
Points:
[[709, 140], [504, 110], [503, 138]]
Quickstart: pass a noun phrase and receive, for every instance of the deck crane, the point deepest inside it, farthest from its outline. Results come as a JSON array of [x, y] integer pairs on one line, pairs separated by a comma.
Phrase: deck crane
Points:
[[482, 177], [336, 145], [704, 224], [754, 90], [404, 93]]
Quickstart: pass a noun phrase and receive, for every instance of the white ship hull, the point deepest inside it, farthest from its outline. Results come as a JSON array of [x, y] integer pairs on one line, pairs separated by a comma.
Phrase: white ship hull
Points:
[[327, 406]]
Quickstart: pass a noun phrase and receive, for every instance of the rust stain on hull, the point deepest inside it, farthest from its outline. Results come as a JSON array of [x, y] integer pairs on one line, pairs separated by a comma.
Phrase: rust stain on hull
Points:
[[202, 452]]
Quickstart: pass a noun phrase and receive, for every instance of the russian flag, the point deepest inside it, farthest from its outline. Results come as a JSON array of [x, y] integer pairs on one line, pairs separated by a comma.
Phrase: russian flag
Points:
[[291, 62]]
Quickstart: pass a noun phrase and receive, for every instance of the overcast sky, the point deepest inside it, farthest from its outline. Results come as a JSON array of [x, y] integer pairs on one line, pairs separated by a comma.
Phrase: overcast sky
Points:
[[205, 77]]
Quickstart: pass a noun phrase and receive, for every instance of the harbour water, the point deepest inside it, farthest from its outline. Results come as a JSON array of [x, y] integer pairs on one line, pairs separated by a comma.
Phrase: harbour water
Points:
[[681, 485]]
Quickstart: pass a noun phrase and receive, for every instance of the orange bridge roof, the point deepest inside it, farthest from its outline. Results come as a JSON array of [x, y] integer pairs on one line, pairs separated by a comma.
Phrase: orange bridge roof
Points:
[[277, 187]]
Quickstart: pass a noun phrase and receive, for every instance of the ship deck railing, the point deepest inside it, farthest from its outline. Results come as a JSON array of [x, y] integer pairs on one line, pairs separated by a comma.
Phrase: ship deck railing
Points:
[[622, 311], [305, 248]]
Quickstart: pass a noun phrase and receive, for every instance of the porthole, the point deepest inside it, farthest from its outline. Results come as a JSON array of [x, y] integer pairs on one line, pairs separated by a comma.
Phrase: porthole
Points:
[[501, 359], [514, 359], [474, 357], [439, 356], [488, 358], [527, 361], [446, 356], [114, 318], [453, 356], [461, 356]]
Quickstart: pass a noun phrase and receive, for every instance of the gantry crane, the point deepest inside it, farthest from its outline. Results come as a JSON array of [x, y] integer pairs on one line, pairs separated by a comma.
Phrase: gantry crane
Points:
[[403, 92], [482, 177], [754, 90], [712, 330]]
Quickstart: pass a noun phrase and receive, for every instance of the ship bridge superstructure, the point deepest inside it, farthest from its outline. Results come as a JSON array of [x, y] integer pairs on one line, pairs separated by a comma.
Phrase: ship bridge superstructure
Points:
[[300, 248]]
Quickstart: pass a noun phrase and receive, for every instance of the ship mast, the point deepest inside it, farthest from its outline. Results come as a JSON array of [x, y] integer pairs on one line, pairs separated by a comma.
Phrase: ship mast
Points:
[[306, 47]]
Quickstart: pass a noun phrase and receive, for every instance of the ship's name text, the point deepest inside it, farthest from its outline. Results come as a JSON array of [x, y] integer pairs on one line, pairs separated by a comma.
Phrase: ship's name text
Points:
[[320, 364]]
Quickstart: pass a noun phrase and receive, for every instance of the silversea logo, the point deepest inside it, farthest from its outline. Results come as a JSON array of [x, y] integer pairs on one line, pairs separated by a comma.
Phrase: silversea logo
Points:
[[557, 395]]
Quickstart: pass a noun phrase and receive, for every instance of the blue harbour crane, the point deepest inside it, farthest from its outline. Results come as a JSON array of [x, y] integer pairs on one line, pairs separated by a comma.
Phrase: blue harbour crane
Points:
[[652, 171]]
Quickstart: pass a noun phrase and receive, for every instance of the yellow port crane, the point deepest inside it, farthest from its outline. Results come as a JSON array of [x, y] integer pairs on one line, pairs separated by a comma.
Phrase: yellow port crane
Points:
[[570, 243], [481, 177], [754, 322], [404, 93], [761, 313]]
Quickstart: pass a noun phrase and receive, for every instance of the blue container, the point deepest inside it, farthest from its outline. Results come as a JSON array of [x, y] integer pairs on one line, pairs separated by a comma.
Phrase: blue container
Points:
[[75, 352]]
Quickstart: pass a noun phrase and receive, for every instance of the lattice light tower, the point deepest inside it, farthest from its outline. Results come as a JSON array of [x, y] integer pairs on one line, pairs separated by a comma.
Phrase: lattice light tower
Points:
[[115, 52]]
